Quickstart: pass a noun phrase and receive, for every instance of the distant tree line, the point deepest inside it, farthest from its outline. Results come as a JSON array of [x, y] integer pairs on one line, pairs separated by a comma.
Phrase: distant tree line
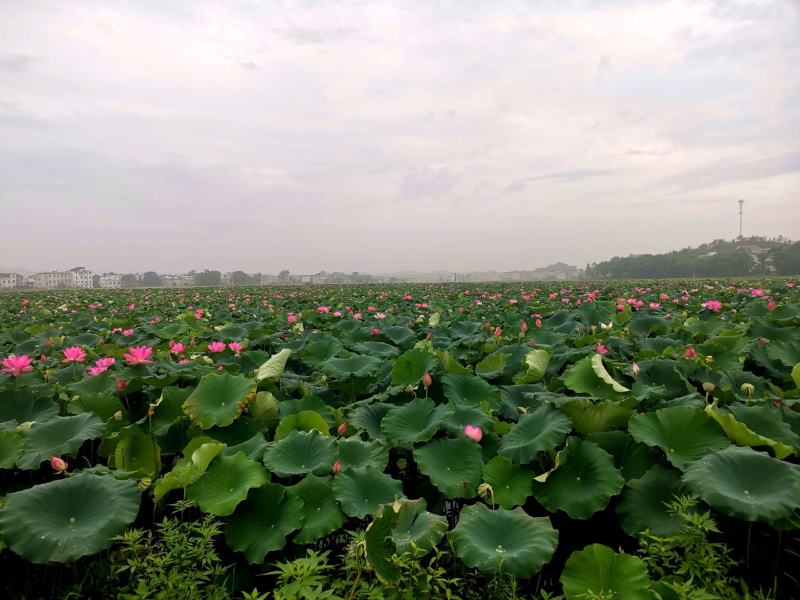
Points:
[[720, 258]]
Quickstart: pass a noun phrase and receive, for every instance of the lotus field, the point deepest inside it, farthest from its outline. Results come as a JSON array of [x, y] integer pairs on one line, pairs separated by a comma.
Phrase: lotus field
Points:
[[541, 434]]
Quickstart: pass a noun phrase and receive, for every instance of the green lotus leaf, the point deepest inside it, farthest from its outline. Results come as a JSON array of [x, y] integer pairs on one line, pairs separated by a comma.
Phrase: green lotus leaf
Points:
[[461, 415], [219, 399], [226, 483], [511, 484], [543, 429], [301, 452], [12, 445], [450, 364], [589, 417], [66, 519], [369, 417], [503, 541], [492, 366], [472, 391], [253, 448], [401, 527], [361, 491], [22, 406], [740, 434], [308, 402], [400, 336], [355, 453], [59, 435], [584, 379], [415, 421], [410, 367], [597, 571], [273, 368], [796, 375], [767, 422], [167, 410], [262, 522], [305, 420], [264, 407], [102, 405], [600, 370], [746, 484], [453, 465], [643, 504], [633, 458], [684, 433], [534, 367], [318, 351], [321, 512], [358, 365], [137, 452], [197, 456], [584, 482]]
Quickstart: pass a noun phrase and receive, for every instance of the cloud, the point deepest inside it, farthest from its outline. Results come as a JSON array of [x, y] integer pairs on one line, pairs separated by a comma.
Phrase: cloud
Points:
[[16, 62]]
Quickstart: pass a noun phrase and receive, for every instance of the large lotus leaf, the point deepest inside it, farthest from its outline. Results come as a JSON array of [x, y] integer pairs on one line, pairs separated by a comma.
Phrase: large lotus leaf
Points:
[[137, 452], [167, 410], [305, 420], [599, 572], [583, 379], [534, 367], [742, 435], [101, 384], [197, 457], [684, 433], [401, 527], [450, 364], [746, 484], [369, 417], [400, 336], [358, 365], [590, 417], [218, 400], [361, 491], [355, 453], [301, 452], [264, 407], [415, 421], [273, 368], [411, 366], [492, 366], [796, 375], [584, 482], [767, 422], [469, 390], [308, 402], [453, 465], [21, 406], [226, 483], [461, 415], [66, 519], [507, 541], [633, 458], [12, 445], [321, 512], [600, 370], [59, 435], [543, 429], [318, 351], [511, 484], [643, 504], [262, 522], [102, 405]]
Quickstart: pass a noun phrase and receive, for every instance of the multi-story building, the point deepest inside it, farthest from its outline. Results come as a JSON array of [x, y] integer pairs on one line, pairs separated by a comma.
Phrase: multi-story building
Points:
[[11, 280], [53, 280], [177, 281], [82, 277], [111, 281]]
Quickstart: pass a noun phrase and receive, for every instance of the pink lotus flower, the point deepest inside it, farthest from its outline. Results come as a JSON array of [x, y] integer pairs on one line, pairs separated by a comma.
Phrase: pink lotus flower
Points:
[[498, 331], [357, 316], [236, 347], [291, 319], [74, 354], [59, 464], [473, 432], [655, 305], [771, 305], [101, 365], [408, 297], [139, 355], [216, 347], [380, 315], [183, 361], [690, 353], [323, 309], [635, 369], [342, 428], [375, 331], [523, 326], [176, 347], [538, 322], [337, 467], [131, 306], [15, 365], [338, 313], [198, 314], [601, 349], [427, 380], [127, 332], [712, 305]]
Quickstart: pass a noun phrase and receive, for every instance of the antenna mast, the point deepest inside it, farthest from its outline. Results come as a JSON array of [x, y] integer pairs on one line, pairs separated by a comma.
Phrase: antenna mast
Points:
[[741, 210]]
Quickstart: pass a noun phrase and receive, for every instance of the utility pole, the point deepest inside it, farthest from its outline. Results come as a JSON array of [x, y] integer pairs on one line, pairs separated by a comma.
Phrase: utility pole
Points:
[[741, 210]]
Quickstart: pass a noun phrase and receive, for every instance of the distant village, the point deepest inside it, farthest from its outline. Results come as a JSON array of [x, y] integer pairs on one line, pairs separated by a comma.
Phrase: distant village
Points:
[[82, 278]]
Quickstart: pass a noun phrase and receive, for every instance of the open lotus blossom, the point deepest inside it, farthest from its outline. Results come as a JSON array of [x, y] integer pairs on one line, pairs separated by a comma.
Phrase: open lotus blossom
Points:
[[605, 326], [139, 355], [236, 347], [101, 365], [375, 331], [712, 305], [15, 365], [291, 319], [59, 464], [380, 315], [690, 353], [176, 347], [601, 349], [323, 309], [473, 432], [216, 347], [198, 314], [74, 354], [127, 332]]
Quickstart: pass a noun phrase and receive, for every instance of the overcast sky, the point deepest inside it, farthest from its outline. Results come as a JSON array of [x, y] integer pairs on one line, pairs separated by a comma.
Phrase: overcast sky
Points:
[[380, 136]]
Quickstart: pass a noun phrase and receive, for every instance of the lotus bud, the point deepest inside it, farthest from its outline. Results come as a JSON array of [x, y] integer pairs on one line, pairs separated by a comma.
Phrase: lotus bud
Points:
[[498, 331], [427, 380], [342, 429], [337, 467], [635, 370], [144, 483], [59, 464]]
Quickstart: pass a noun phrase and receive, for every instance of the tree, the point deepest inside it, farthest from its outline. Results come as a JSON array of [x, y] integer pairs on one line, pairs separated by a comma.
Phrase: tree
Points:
[[129, 280], [283, 275], [208, 278], [151, 279], [240, 278], [786, 259]]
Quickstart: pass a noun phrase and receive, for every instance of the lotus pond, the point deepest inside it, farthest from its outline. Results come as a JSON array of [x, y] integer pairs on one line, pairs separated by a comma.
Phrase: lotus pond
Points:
[[534, 433]]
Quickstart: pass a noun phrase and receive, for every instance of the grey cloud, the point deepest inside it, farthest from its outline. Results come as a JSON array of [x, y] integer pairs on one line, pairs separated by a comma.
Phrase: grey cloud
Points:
[[16, 62]]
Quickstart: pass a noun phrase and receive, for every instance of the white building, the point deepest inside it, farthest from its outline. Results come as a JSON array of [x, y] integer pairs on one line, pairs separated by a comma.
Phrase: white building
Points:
[[11, 280], [53, 280], [177, 281], [110, 281], [82, 277]]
